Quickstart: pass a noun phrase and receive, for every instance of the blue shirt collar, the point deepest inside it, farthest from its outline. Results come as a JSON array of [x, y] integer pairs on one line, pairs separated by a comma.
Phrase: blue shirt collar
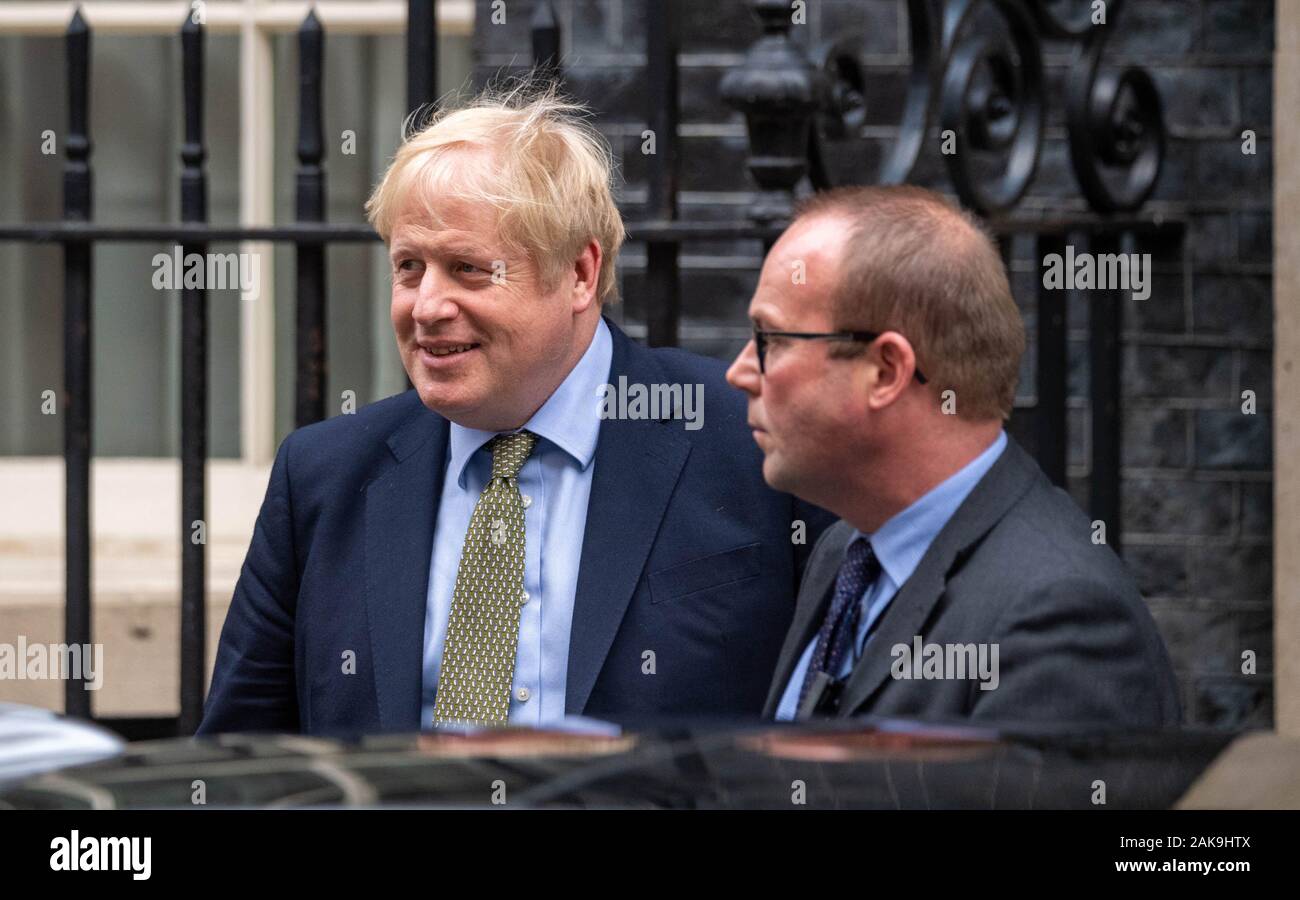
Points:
[[568, 419], [900, 543]]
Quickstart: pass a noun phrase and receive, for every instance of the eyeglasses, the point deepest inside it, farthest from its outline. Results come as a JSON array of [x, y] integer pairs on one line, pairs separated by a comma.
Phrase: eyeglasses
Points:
[[857, 337]]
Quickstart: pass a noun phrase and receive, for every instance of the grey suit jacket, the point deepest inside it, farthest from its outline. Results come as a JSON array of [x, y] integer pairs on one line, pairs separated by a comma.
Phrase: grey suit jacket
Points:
[[1016, 568]]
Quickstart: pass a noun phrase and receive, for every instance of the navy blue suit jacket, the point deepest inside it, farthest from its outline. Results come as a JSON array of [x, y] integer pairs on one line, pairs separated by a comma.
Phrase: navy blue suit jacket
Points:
[[687, 553]]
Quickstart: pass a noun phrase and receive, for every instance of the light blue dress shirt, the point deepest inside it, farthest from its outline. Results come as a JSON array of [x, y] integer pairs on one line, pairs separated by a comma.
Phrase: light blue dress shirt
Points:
[[899, 544], [555, 483]]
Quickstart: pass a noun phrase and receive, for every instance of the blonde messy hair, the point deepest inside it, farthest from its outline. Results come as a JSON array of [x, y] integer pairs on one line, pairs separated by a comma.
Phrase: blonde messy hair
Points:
[[534, 157]]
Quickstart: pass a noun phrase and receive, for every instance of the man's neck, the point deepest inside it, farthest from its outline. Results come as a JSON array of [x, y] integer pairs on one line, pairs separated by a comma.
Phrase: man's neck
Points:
[[885, 487]]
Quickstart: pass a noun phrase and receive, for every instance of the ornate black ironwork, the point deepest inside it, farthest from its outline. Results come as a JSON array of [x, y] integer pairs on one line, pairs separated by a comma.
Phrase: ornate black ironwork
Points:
[[842, 102], [1115, 120], [779, 90], [991, 102], [977, 74]]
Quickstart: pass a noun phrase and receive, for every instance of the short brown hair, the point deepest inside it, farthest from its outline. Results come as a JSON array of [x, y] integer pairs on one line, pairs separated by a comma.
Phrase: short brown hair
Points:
[[919, 265]]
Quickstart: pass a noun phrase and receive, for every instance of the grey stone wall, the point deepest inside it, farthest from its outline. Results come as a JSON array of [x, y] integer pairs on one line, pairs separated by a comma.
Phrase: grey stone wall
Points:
[[1197, 471]]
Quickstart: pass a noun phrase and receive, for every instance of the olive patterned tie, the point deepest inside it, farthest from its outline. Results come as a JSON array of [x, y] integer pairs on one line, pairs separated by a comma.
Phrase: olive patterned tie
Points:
[[478, 656]]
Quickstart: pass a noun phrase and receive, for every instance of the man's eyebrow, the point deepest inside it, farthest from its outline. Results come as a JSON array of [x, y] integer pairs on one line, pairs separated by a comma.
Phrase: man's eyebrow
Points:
[[460, 248], [401, 247], [437, 248]]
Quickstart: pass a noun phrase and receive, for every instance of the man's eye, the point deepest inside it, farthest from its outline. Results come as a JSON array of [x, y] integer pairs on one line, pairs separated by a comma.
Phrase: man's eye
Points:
[[407, 265], [463, 266]]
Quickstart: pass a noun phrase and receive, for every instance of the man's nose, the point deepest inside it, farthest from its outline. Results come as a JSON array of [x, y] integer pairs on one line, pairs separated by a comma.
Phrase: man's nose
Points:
[[744, 373], [434, 301]]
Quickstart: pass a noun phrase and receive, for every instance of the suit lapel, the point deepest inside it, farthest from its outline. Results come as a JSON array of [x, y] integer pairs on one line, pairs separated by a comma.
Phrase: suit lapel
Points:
[[907, 612], [814, 595], [1000, 488], [637, 464], [401, 505]]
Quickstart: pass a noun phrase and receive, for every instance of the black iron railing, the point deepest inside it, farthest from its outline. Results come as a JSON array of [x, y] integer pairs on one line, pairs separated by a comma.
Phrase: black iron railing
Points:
[[801, 108], [194, 391], [78, 234]]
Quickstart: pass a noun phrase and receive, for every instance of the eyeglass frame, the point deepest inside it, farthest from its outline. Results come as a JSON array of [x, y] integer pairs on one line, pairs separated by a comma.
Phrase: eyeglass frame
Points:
[[858, 337]]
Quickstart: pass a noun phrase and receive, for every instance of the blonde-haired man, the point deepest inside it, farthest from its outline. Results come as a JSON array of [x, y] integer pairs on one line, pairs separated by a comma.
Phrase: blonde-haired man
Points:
[[959, 583], [555, 521]]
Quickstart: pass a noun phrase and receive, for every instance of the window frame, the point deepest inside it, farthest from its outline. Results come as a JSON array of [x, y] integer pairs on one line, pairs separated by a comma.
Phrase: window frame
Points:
[[33, 525], [257, 22]]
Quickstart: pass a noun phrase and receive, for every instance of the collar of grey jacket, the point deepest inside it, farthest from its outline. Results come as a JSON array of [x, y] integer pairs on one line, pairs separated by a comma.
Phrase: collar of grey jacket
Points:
[[1000, 488]]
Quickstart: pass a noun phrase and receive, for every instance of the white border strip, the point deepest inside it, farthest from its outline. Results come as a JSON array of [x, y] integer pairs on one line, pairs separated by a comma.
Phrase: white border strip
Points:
[[455, 17]]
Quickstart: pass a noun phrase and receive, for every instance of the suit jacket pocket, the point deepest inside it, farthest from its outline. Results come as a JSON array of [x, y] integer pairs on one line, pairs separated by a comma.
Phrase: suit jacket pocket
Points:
[[706, 573]]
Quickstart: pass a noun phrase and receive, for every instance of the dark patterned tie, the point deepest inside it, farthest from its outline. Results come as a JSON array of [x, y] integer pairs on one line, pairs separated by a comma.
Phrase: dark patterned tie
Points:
[[859, 570], [478, 655]]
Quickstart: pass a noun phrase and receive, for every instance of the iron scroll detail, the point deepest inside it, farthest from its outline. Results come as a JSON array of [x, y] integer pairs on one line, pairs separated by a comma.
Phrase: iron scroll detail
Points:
[[974, 91]]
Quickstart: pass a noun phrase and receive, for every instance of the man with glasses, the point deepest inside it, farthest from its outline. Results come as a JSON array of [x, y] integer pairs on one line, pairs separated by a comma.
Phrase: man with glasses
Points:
[[959, 583]]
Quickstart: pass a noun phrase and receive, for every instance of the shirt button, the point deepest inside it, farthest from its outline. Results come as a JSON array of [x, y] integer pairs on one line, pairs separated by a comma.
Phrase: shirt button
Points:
[[526, 500], [523, 694], [523, 598]]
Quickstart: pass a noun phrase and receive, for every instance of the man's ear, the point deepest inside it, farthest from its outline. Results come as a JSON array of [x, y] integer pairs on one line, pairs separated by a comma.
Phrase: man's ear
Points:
[[893, 362], [586, 271]]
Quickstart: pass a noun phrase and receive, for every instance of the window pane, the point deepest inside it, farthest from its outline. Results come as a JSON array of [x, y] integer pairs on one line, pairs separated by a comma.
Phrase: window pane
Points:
[[136, 113]]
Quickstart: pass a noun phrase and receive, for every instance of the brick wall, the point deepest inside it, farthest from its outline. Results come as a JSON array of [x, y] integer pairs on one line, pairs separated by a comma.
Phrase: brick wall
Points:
[[1197, 471]]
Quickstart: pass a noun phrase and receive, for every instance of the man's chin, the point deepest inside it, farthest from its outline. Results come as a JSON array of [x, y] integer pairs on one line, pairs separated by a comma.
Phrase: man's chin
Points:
[[780, 477], [467, 411], [448, 404], [773, 473]]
